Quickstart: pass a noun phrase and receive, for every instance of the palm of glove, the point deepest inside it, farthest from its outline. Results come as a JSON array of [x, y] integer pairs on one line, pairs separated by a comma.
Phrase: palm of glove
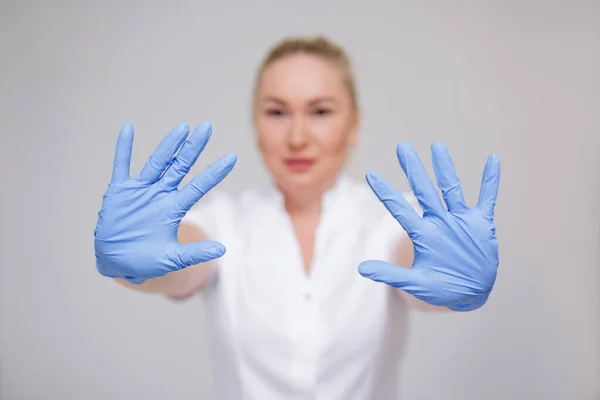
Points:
[[456, 257], [456, 248], [136, 233]]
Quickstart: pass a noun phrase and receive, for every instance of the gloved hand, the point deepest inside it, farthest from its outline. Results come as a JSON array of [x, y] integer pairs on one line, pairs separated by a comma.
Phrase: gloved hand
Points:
[[456, 249], [136, 234]]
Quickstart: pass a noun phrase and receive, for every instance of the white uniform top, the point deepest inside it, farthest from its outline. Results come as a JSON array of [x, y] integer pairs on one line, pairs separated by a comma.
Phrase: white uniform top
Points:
[[278, 333]]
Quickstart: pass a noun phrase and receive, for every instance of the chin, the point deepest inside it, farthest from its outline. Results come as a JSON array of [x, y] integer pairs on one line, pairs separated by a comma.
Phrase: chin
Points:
[[304, 181]]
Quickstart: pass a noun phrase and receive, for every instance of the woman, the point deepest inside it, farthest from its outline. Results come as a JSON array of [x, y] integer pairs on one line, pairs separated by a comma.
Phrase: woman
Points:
[[290, 317]]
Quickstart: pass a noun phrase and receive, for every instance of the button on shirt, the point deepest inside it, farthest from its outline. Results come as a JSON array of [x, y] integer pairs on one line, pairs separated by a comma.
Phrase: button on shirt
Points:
[[277, 332]]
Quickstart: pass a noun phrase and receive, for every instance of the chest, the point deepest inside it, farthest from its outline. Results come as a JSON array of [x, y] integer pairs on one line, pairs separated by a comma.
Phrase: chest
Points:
[[305, 229], [298, 330], [279, 301]]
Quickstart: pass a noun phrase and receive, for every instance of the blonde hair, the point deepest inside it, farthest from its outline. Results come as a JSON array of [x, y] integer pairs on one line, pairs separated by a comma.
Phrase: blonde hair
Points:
[[317, 46]]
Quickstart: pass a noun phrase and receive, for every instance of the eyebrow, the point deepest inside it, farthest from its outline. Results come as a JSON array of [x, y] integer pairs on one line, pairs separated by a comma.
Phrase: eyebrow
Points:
[[312, 102]]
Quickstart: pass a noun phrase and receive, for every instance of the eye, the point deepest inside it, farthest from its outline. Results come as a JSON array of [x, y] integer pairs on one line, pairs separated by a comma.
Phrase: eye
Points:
[[275, 112], [322, 111]]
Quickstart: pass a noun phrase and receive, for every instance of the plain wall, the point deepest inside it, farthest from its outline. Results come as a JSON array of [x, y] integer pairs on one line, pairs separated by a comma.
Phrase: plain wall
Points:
[[519, 78]]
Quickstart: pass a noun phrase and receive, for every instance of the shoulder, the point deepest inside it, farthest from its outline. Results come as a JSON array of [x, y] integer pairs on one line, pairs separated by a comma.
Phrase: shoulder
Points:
[[212, 202], [214, 214], [256, 199], [360, 197], [371, 215], [231, 208]]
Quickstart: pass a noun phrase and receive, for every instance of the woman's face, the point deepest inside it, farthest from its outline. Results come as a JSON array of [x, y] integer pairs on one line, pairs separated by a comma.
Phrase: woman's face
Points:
[[306, 123]]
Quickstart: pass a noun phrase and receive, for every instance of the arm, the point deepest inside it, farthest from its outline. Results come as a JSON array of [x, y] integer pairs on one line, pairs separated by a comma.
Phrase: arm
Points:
[[182, 284], [404, 254]]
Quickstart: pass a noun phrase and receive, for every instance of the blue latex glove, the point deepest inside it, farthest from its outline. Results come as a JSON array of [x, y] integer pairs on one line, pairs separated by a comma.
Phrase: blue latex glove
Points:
[[136, 234], [456, 249]]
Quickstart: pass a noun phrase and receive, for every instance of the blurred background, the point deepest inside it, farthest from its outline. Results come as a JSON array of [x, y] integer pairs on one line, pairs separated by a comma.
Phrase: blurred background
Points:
[[519, 78]]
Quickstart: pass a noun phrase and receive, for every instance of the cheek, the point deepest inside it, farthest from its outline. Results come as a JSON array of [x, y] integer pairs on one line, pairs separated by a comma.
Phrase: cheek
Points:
[[270, 138], [333, 150], [334, 143]]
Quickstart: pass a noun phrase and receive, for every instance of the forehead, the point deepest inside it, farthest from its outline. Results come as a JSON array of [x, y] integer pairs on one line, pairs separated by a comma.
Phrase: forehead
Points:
[[301, 77]]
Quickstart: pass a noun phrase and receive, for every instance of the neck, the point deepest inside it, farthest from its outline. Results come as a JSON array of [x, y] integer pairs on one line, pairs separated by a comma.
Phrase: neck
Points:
[[303, 202], [299, 205], [300, 201]]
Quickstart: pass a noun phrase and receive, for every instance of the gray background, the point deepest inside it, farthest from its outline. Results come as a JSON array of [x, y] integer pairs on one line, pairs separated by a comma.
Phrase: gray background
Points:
[[519, 78]]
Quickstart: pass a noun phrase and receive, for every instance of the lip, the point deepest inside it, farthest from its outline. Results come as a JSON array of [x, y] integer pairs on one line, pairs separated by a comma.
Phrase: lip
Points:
[[299, 164]]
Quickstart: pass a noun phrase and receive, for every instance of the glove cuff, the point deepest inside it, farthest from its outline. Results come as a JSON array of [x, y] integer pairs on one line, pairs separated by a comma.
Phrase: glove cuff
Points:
[[476, 303]]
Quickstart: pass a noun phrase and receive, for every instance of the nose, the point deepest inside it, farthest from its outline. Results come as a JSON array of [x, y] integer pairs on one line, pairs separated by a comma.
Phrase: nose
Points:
[[298, 134]]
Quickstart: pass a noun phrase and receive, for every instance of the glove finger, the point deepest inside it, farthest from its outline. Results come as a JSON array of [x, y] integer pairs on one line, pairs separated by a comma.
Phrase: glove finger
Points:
[[394, 202], [205, 181], [197, 252], [391, 274], [163, 155], [122, 159], [187, 156], [489, 186], [406, 279], [446, 177], [419, 180]]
